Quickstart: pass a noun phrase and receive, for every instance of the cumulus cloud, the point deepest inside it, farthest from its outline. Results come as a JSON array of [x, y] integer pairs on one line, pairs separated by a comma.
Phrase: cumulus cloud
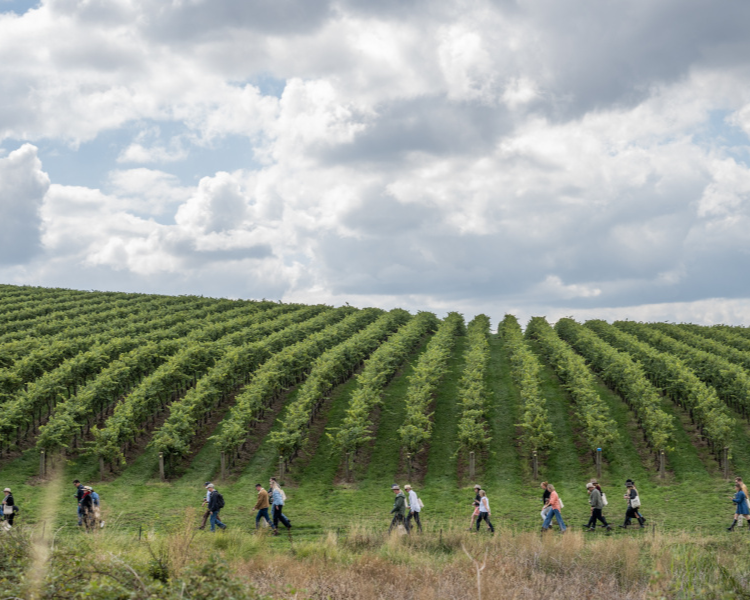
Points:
[[23, 185], [555, 155]]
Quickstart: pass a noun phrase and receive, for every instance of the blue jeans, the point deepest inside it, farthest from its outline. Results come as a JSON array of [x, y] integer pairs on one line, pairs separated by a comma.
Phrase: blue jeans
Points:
[[263, 512], [215, 521], [80, 515], [556, 513]]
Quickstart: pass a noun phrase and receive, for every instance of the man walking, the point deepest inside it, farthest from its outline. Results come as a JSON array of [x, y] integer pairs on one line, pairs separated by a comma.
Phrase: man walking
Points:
[[597, 505], [261, 505], [79, 497], [398, 510], [415, 507], [215, 504], [207, 513]]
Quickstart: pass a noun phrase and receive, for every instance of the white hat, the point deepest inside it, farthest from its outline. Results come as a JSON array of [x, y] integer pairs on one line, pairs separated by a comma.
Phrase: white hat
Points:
[[407, 487], [6, 490]]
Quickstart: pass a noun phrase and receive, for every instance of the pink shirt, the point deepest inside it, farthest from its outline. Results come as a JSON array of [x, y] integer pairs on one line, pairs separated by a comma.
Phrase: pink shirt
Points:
[[554, 500]]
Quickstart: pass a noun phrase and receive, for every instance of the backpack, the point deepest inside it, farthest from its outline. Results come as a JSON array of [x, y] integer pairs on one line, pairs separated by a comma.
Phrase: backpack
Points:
[[219, 500]]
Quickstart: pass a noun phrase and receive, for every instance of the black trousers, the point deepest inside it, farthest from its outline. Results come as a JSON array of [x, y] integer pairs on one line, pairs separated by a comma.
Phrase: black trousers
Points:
[[486, 517], [596, 514], [398, 518], [415, 516], [632, 513], [277, 516]]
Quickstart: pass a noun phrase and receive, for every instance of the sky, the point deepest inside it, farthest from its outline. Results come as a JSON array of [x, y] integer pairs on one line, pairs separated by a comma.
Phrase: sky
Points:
[[585, 158]]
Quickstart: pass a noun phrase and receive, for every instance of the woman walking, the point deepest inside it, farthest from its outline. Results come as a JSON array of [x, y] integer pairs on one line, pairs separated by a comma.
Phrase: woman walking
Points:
[[747, 497], [475, 504], [545, 500], [634, 503], [484, 511], [597, 506], [740, 499], [8, 509], [554, 510]]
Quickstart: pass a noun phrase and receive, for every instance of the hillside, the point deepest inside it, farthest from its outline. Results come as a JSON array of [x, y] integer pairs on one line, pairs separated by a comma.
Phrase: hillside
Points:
[[342, 402]]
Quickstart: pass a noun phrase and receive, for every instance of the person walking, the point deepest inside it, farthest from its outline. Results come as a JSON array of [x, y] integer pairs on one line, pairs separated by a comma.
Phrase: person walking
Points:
[[597, 506], [215, 504], [484, 511], [545, 500], [277, 499], [747, 498], [87, 508], [475, 504], [555, 505], [261, 505], [9, 509], [398, 510], [415, 507], [206, 513], [740, 500], [79, 497], [634, 503]]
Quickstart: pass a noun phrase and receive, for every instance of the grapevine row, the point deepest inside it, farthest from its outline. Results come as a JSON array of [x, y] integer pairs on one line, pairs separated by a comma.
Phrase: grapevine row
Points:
[[624, 376], [473, 433], [333, 367], [77, 412], [379, 369], [416, 431], [730, 381], [673, 376], [525, 366], [598, 426], [235, 368], [280, 372], [163, 386]]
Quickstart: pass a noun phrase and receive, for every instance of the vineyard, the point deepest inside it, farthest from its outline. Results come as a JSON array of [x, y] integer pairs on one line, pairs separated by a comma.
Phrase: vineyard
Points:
[[147, 397]]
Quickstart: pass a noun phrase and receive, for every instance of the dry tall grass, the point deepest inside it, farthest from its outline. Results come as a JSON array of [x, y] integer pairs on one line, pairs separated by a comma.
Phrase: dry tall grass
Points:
[[519, 566]]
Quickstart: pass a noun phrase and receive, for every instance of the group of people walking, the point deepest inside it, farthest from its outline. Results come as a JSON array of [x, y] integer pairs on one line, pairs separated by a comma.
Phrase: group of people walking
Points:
[[553, 505], [89, 508], [274, 498], [406, 507]]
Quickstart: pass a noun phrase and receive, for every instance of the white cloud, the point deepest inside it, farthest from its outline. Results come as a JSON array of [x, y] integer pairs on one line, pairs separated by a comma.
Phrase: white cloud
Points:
[[501, 154], [22, 188]]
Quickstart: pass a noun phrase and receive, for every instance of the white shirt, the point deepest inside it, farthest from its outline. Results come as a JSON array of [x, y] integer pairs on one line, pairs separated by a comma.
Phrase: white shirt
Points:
[[484, 505], [414, 502], [208, 496]]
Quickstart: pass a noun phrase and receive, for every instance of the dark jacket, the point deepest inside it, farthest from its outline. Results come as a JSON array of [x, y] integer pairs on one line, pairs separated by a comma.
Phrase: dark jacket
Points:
[[213, 501], [79, 493], [87, 502], [399, 504], [8, 500]]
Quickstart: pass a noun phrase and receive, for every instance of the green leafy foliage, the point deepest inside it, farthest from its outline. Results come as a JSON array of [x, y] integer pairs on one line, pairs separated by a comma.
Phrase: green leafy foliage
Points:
[[626, 377], [379, 369], [706, 358], [284, 369], [537, 429], [599, 428], [416, 431], [331, 368], [675, 378], [473, 433]]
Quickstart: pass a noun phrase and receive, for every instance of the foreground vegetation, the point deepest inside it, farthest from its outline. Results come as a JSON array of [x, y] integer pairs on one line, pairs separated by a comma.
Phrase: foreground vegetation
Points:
[[363, 564], [340, 403]]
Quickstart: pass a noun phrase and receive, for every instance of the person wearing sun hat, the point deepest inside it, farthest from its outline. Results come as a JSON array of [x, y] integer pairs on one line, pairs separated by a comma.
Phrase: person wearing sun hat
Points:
[[207, 512], [398, 510]]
